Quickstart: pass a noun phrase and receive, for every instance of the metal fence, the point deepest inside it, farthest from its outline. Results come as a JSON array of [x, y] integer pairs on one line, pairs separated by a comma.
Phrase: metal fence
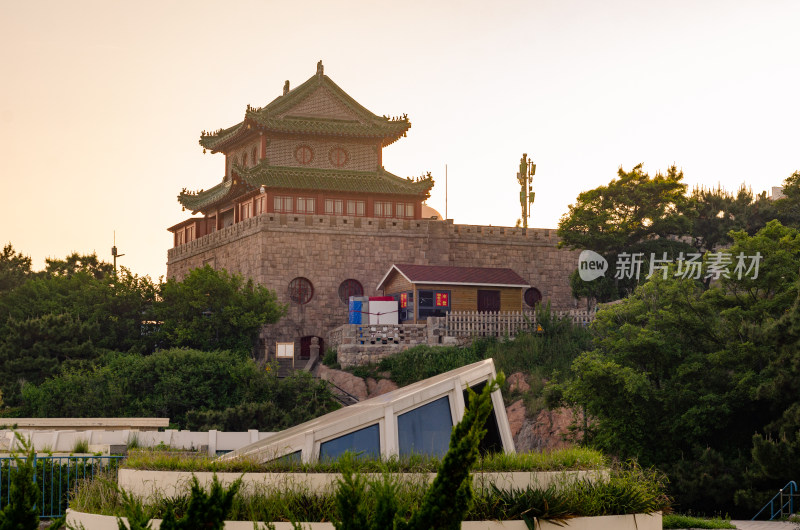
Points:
[[55, 479], [782, 504]]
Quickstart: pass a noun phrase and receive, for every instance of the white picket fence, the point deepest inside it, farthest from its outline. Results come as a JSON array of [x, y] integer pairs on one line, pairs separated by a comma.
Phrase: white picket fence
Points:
[[501, 324]]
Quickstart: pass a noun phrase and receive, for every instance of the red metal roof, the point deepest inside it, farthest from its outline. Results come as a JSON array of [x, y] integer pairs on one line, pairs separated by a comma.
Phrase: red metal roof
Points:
[[457, 275]]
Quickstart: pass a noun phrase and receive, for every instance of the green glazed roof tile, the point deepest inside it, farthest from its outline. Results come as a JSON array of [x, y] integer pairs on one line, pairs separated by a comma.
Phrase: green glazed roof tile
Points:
[[268, 118], [195, 201], [301, 178], [380, 181]]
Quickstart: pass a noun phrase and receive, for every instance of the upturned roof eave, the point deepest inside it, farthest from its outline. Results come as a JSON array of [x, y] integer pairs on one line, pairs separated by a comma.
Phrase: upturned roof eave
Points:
[[226, 137]]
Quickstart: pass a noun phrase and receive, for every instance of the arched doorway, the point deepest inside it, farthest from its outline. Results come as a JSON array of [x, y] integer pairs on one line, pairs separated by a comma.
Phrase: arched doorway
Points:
[[305, 347]]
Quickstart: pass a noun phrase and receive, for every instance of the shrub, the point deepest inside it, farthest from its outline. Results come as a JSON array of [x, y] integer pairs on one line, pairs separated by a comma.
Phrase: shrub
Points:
[[686, 521], [331, 358], [20, 512]]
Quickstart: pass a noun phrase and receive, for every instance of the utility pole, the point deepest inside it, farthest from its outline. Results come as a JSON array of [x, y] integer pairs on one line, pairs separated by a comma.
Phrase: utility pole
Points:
[[527, 169], [114, 253]]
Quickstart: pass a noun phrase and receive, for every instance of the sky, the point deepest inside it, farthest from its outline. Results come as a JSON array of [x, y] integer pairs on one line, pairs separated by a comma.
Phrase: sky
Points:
[[102, 102]]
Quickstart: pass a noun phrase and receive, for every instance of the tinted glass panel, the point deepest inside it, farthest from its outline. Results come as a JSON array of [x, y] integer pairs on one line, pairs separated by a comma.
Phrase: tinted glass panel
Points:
[[291, 458], [365, 442], [426, 429], [491, 443]]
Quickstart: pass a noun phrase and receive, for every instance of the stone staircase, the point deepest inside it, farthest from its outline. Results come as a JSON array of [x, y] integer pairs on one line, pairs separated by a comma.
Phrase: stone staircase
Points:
[[285, 367], [342, 396]]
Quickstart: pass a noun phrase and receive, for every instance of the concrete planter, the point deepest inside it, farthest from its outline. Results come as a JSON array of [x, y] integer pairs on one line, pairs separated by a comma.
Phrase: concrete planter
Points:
[[171, 483], [607, 522]]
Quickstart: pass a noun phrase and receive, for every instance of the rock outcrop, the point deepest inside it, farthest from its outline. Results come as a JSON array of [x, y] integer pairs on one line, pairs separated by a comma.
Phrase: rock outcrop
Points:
[[382, 386], [353, 385], [549, 430], [518, 383]]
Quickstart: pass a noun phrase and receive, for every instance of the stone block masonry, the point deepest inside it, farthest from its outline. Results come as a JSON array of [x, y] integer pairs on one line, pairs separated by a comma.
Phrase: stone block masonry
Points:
[[360, 345], [273, 249]]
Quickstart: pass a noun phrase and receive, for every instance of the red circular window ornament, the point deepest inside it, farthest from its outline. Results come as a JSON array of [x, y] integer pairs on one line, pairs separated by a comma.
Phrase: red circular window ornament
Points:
[[304, 154], [533, 296], [350, 288], [338, 156], [300, 290]]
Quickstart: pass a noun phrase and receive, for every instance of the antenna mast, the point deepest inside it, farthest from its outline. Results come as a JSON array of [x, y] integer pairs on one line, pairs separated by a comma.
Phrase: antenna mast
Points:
[[445, 193], [527, 169], [114, 253]]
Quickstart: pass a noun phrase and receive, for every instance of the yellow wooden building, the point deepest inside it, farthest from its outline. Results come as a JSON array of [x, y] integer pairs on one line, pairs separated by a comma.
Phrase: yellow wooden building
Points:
[[428, 290]]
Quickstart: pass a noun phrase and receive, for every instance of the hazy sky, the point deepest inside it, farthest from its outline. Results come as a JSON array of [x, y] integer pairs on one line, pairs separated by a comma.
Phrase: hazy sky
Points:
[[102, 102]]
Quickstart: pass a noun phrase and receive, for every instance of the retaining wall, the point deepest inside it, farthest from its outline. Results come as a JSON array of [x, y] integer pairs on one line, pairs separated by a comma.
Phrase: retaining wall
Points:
[[146, 483], [608, 522], [273, 249]]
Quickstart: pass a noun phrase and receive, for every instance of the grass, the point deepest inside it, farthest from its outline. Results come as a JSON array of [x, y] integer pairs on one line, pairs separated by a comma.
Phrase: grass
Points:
[[628, 489], [81, 445], [133, 440], [557, 460], [542, 356], [687, 521], [99, 495]]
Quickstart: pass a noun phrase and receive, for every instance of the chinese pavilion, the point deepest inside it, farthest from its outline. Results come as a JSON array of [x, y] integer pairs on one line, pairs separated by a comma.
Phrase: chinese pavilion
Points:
[[312, 150]]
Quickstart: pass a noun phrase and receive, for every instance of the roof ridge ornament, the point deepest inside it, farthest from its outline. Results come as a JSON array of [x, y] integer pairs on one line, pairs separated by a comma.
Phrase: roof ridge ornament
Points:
[[286, 87], [320, 69]]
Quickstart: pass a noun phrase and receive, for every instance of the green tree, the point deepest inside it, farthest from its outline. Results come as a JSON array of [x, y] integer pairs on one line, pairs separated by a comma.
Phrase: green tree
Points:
[[284, 403], [55, 320], [177, 384], [79, 263], [634, 213], [205, 510], [15, 269], [19, 513], [775, 453], [788, 207], [629, 210], [681, 377], [711, 212], [446, 500], [212, 309]]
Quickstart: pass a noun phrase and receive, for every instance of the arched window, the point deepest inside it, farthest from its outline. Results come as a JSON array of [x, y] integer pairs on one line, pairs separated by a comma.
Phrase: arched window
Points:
[[304, 154], [350, 288], [533, 296], [300, 290], [338, 157]]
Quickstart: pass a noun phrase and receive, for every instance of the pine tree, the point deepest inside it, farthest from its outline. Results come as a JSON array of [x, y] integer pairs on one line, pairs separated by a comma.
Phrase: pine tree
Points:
[[20, 512]]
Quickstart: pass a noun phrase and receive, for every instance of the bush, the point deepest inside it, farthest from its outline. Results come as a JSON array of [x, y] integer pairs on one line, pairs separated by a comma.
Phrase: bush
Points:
[[540, 353], [331, 359], [20, 512], [686, 521], [627, 489], [191, 387]]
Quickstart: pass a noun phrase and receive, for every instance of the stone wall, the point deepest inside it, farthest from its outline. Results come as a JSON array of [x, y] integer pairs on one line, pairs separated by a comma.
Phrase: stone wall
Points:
[[273, 249], [363, 344]]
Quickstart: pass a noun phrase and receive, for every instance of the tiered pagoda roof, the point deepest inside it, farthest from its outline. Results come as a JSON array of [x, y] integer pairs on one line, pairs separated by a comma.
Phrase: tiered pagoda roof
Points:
[[276, 117], [293, 114]]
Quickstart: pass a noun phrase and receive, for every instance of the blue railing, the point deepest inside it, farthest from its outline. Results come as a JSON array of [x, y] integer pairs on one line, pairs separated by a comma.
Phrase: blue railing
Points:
[[785, 502], [55, 478]]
